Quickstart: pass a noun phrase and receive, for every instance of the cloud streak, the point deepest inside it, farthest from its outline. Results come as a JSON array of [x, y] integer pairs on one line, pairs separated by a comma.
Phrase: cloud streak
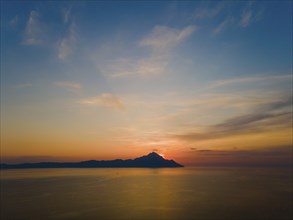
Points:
[[163, 38], [275, 151], [209, 12], [224, 24], [273, 156], [258, 121], [246, 18], [143, 67], [66, 45], [159, 43], [14, 22], [67, 15], [249, 15], [72, 86], [252, 79], [38, 33], [34, 31], [104, 100]]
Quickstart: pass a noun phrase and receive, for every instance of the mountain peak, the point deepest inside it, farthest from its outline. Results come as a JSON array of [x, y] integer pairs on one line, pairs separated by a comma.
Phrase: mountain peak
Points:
[[153, 159], [153, 154]]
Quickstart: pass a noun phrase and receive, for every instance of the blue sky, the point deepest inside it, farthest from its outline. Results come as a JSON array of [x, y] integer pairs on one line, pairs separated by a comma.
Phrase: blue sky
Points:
[[148, 73]]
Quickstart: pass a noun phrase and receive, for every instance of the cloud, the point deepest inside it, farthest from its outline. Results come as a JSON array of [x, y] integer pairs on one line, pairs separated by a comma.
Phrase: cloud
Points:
[[203, 151], [209, 12], [246, 18], [224, 24], [34, 31], [272, 156], [73, 86], [66, 45], [262, 119], [14, 22], [152, 65], [161, 42], [268, 78], [275, 151], [245, 124], [250, 15], [163, 37], [67, 14], [104, 100], [277, 105], [38, 33]]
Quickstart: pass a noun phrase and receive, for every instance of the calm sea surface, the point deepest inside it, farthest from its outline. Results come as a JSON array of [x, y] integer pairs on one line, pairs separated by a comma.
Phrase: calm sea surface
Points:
[[135, 193]]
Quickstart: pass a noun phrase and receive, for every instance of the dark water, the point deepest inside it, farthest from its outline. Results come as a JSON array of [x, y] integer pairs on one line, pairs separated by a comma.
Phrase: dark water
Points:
[[180, 193]]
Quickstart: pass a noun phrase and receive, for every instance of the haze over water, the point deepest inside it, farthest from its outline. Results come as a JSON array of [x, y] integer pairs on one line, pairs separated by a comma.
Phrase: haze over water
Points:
[[141, 193]]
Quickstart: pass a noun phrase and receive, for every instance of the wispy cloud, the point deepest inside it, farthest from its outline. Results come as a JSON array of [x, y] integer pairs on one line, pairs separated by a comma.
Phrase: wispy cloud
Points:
[[66, 45], [39, 33], [250, 15], [160, 42], [264, 78], [283, 151], [265, 117], [163, 37], [104, 100], [72, 86], [67, 14], [273, 156], [274, 151], [246, 18], [224, 24], [34, 31], [209, 12], [245, 124], [276, 105], [14, 22], [143, 67]]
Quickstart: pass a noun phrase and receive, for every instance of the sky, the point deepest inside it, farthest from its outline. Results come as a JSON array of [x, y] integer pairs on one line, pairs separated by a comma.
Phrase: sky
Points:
[[206, 83]]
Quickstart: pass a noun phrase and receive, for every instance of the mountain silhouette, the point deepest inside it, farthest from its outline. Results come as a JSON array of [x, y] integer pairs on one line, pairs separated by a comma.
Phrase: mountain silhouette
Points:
[[152, 160]]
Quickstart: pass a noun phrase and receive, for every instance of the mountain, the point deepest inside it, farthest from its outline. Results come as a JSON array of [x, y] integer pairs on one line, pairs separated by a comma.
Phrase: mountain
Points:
[[152, 160]]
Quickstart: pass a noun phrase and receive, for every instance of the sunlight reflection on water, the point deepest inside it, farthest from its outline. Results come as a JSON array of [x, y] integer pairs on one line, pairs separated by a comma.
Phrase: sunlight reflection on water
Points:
[[137, 193]]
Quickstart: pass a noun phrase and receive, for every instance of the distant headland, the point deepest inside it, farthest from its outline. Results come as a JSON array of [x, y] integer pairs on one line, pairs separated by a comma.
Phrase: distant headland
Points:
[[152, 160]]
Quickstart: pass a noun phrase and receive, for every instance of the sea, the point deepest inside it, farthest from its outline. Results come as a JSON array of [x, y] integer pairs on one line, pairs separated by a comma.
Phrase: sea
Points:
[[142, 193]]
